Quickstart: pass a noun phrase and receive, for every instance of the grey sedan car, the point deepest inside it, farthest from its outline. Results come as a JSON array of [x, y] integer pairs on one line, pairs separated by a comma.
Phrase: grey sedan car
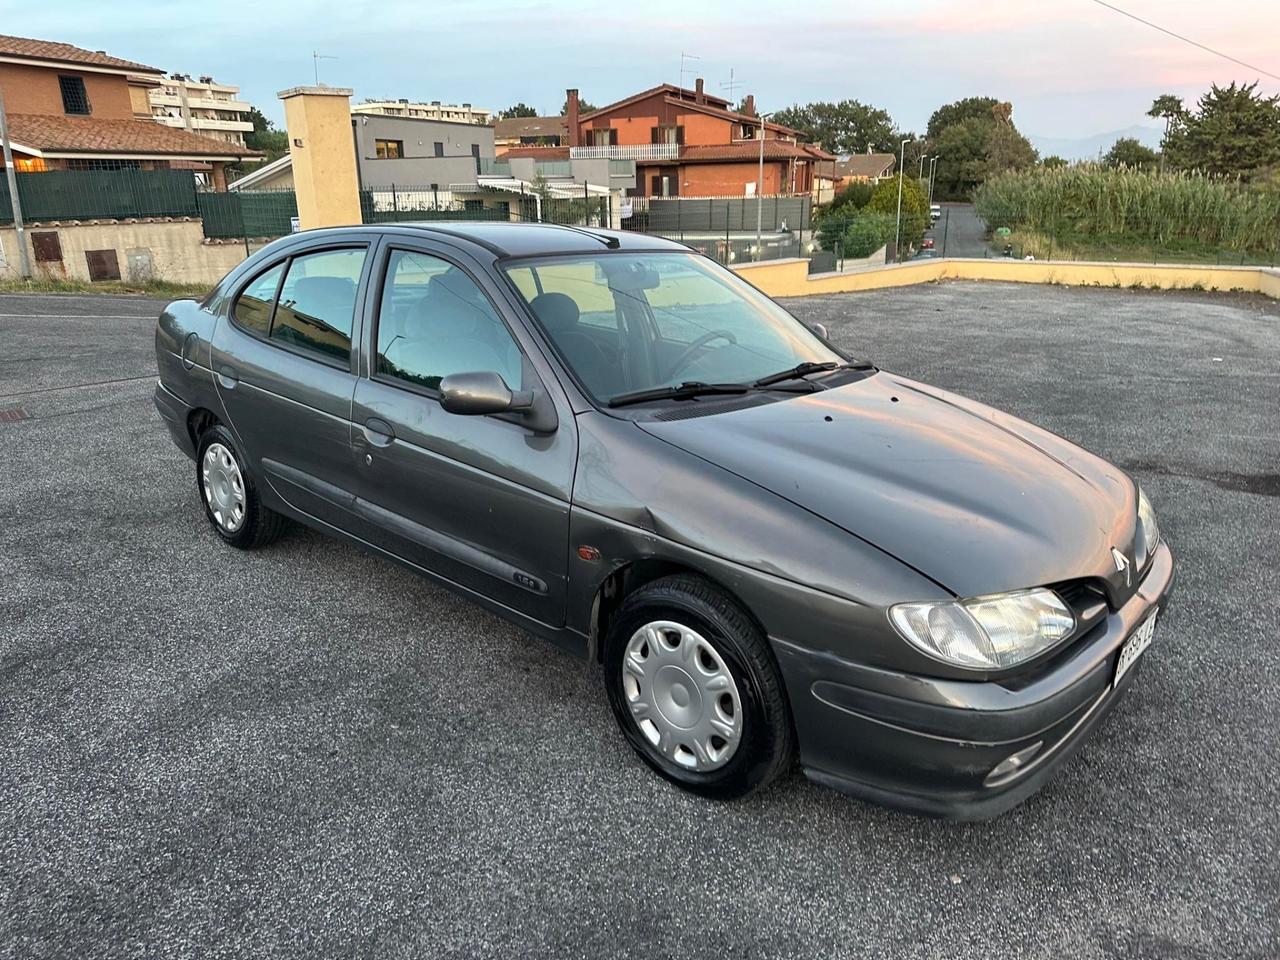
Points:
[[775, 550]]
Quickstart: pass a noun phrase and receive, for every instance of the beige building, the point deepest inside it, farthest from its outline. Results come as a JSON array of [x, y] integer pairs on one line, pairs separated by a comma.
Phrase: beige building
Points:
[[435, 110], [202, 106]]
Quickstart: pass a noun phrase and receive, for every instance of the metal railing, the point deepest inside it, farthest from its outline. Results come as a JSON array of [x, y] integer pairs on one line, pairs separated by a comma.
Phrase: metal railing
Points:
[[642, 151]]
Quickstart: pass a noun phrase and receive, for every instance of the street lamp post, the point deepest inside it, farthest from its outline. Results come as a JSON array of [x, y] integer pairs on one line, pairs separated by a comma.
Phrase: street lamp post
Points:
[[897, 235], [760, 186], [932, 164], [10, 168]]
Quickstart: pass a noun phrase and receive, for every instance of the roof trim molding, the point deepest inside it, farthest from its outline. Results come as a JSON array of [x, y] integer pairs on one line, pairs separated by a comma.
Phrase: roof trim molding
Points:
[[77, 66]]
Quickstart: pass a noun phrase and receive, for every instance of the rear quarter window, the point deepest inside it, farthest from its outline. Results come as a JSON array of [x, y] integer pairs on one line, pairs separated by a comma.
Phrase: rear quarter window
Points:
[[252, 309]]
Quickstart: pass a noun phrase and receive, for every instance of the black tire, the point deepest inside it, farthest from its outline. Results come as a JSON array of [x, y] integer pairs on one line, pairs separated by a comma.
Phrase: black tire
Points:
[[767, 741], [260, 525]]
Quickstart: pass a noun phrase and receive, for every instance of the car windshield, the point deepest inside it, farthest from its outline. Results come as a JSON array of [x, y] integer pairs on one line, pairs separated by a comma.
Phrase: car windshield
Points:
[[631, 322]]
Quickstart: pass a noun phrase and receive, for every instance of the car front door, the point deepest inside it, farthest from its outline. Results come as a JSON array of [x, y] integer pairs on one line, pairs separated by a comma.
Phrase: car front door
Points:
[[284, 368], [482, 501]]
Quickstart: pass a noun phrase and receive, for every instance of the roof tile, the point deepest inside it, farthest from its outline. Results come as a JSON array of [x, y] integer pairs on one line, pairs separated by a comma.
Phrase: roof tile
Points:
[[29, 49], [92, 135]]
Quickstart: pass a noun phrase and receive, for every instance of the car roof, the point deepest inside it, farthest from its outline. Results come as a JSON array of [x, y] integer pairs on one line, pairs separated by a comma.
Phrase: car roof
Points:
[[528, 239]]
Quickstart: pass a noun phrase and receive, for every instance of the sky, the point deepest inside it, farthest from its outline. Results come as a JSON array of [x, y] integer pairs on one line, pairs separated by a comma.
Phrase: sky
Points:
[[1071, 68]]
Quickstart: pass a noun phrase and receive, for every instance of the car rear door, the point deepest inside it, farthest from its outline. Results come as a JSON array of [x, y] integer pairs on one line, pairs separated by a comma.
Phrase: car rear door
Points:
[[284, 369], [482, 501]]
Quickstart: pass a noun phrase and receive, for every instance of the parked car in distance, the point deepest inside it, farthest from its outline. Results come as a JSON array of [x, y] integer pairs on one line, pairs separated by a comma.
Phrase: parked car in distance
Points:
[[926, 243], [935, 212], [775, 550]]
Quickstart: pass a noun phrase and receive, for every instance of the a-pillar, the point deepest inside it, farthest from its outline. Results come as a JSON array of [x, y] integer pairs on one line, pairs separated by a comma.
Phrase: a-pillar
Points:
[[323, 155]]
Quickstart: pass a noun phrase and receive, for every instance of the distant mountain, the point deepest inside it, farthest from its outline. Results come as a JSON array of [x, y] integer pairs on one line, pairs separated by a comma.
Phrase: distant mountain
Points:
[[1088, 148]]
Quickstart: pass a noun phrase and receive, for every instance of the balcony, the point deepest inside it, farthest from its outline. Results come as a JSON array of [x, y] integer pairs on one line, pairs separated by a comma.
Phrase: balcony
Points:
[[639, 151]]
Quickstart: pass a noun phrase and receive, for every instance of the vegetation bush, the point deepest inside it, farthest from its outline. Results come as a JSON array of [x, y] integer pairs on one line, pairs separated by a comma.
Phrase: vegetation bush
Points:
[[863, 218], [1096, 202]]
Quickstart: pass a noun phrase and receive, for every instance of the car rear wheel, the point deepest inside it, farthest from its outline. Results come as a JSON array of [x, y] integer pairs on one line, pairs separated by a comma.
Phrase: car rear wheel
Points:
[[230, 498], [695, 689]]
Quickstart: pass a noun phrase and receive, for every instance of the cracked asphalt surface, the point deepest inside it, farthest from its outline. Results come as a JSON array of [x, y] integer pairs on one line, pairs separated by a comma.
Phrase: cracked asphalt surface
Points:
[[310, 751]]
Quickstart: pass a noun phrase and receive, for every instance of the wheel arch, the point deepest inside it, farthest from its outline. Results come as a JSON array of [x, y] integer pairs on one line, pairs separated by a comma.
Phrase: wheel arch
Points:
[[199, 420], [630, 577]]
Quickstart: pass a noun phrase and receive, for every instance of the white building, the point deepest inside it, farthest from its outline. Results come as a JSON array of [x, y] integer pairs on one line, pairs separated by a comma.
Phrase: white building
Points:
[[201, 106], [435, 110]]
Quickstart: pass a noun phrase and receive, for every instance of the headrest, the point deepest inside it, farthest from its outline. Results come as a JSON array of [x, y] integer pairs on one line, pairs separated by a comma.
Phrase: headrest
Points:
[[315, 291], [557, 311]]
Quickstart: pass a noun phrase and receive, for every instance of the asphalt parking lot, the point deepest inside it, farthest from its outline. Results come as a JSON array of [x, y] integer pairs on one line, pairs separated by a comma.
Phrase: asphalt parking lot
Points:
[[308, 750]]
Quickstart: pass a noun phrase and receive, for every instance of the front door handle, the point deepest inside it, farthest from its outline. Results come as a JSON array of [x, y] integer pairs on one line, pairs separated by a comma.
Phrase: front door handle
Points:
[[227, 378], [378, 432]]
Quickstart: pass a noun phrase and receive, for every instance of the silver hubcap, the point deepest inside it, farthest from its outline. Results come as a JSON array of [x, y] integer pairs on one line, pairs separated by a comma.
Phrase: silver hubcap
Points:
[[223, 487], [682, 695]]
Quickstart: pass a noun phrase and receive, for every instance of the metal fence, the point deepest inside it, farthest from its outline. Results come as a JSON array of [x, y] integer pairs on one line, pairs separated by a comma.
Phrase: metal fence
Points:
[[247, 213], [101, 195]]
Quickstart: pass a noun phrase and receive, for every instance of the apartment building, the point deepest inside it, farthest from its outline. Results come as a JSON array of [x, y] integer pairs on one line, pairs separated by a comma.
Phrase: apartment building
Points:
[[201, 106], [692, 143], [435, 110], [75, 109]]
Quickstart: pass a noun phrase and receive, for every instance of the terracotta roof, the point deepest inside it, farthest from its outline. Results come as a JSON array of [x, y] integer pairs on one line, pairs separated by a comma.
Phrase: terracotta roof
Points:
[[29, 49], [725, 114], [537, 152], [670, 89], [865, 165], [53, 134], [514, 128]]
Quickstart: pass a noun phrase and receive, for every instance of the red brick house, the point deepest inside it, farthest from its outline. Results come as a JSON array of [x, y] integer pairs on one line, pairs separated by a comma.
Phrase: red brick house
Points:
[[75, 109], [691, 143]]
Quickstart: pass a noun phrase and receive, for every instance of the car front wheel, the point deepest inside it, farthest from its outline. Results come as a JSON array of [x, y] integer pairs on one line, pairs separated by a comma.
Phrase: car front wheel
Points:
[[695, 689], [230, 498]]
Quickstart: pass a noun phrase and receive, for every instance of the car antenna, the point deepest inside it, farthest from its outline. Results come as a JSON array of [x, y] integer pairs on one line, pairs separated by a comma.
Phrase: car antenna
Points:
[[613, 243]]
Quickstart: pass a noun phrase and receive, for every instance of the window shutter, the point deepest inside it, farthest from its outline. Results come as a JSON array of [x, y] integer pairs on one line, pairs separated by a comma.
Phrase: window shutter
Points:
[[680, 135], [613, 136], [653, 135]]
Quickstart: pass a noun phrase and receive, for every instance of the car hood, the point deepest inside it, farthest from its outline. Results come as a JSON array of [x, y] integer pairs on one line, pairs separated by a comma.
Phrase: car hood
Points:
[[975, 499]]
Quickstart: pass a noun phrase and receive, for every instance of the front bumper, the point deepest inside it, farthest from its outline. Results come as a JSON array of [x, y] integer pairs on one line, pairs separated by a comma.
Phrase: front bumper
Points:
[[929, 745]]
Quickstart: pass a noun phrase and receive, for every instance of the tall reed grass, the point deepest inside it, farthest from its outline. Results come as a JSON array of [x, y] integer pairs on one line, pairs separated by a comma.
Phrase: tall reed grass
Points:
[[1086, 202]]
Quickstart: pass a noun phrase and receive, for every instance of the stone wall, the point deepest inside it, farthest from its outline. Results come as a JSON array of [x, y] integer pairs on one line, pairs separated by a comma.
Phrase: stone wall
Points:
[[141, 250]]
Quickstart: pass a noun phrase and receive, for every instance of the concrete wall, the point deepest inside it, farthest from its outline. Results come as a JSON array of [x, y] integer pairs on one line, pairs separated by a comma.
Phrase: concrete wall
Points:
[[790, 278], [419, 166], [176, 251], [318, 120]]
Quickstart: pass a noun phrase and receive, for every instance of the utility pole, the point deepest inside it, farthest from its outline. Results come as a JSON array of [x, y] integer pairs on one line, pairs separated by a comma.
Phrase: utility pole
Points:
[[760, 186], [933, 161], [902, 158], [24, 260]]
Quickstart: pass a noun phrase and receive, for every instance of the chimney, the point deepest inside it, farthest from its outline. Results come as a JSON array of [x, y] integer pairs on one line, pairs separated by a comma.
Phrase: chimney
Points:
[[749, 105], [571, 116], [698, 95]]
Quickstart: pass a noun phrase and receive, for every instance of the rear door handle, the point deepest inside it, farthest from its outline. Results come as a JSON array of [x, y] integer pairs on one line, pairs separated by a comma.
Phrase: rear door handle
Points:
[[378, 432]]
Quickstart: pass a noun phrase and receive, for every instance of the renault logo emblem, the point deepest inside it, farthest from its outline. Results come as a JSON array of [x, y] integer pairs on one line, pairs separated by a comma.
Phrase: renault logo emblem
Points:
[[1122, 566]]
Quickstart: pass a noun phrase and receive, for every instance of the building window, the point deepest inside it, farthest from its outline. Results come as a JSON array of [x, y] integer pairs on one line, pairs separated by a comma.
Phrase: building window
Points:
[[604, 138], [103, 165], [669, 135], [389, 149], [74, 98], [439, 148]]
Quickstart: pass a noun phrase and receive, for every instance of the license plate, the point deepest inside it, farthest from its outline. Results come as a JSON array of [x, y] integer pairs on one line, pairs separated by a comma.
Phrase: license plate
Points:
[[1133, 647]]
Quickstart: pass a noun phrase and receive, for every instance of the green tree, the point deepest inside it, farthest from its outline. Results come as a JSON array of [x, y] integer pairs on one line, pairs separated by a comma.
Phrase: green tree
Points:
[[1053, 162], [1234, 131], [265, 138], [1130, 152], [915, 207], [1169, 108], [520, 109], [584, 106], [845, 127], [978, 108], [982, 142]]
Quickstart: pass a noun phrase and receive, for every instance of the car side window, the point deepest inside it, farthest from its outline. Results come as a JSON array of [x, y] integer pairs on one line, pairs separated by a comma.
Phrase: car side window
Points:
[[318, 302], [434, 320], [253, 307]]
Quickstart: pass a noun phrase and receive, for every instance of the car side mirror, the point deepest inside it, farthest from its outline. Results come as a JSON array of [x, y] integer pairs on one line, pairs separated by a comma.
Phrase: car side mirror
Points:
[[480, 393], [820, 329]]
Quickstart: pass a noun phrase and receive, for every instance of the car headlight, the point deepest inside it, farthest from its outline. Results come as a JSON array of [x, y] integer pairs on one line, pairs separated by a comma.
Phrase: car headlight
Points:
[[986, 633], [1148, 535]]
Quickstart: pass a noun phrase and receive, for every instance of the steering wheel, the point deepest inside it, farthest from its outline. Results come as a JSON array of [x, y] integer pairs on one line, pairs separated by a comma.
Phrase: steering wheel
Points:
[[687, 353]]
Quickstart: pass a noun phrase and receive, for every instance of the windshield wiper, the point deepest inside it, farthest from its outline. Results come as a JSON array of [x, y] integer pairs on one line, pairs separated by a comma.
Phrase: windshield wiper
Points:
[[684, 391], [808, 367]]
